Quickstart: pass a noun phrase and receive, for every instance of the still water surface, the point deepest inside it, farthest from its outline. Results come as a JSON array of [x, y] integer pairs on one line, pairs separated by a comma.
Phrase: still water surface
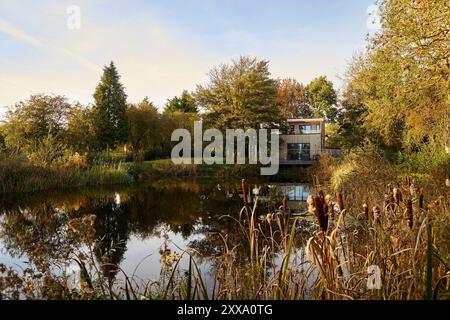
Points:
[[134, 226]]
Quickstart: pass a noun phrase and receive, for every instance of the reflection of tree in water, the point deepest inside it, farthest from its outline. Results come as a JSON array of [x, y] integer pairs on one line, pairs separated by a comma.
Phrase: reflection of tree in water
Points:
[[38, 232], [112, 230], [186, 207], [154, 204]]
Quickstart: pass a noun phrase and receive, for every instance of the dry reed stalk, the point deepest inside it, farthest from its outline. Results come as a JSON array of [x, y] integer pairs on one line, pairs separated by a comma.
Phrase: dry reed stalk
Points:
[[391, 205], [376, 214], [409, 213], [398, 197]]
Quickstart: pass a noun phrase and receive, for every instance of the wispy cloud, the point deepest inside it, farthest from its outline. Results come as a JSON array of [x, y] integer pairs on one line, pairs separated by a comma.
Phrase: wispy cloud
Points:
[[21, 35]]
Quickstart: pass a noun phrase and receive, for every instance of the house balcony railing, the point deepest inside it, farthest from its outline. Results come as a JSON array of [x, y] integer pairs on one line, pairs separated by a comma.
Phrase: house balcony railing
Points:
[[301, 133]]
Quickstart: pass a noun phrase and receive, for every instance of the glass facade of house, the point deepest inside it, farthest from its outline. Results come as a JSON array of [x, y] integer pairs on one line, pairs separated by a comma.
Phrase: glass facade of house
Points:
[[298, 151]]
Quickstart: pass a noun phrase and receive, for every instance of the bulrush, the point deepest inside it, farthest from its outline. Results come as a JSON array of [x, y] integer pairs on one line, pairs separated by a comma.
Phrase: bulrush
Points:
[[284, 203], [329, 203], [421, 199], [340, 201], [376, 214], [324, 203], [315, 206], [244, 191], [409, 213], [366, 211]]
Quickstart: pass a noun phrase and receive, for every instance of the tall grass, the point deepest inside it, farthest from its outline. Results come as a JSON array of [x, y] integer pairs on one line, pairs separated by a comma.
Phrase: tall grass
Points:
[[19, 175]]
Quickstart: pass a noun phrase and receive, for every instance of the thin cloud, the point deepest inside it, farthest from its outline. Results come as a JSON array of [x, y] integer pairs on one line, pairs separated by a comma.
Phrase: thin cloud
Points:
[[21, 35]]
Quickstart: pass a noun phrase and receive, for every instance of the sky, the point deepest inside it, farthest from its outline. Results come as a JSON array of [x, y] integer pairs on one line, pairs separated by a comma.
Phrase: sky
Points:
[[163, 47]]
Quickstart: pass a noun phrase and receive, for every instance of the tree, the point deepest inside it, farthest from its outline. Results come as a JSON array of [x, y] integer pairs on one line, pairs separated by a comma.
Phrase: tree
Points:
[[323, 98], [351, 128], [80, 133], [32, 121], [186, 104], [293, 100], [240, 95], [401, 83], [145, 128], [110, 110]]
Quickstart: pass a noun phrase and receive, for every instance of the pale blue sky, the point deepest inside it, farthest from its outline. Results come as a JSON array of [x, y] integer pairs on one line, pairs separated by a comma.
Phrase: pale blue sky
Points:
[[163, 47]]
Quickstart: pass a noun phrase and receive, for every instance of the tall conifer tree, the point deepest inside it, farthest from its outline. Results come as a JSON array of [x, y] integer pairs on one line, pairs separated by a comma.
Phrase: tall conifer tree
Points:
[[110, 110]]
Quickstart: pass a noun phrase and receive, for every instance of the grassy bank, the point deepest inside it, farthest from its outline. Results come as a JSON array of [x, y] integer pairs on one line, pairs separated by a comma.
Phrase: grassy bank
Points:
[[18, 175]]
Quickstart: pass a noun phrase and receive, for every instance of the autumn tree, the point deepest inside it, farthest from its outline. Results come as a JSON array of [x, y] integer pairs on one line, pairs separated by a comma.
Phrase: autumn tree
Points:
[[402, 85], [80, 132], [240, 95], [322, 99], [292, 98], [145, 128], [30, 122]]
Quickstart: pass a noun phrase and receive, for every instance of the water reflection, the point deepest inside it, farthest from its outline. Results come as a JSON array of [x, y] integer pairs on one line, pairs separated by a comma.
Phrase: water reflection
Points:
[[134, 223]]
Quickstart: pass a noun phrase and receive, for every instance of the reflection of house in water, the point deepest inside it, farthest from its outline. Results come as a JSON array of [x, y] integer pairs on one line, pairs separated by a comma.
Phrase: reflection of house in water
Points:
[[296, 194]]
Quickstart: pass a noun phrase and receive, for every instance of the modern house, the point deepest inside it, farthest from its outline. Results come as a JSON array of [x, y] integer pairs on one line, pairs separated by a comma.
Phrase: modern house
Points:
[[304, 141]]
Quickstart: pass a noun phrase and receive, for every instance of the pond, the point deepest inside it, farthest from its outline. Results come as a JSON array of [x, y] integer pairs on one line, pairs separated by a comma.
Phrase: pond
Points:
[[135, 226]]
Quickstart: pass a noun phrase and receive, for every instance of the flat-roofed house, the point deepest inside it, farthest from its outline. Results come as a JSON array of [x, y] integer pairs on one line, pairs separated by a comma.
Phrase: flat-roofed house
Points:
[[303, 142]]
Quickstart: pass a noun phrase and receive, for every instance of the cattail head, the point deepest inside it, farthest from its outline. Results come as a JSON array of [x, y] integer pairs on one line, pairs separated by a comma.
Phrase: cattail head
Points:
[[244, 191], [366, 211], [340, 201], [324, 203], [284, 203], [320, 213], [315, 206], [409, 213]]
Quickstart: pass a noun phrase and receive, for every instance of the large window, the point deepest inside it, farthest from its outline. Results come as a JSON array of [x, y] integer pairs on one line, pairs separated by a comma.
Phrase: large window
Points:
[[305, 128], [298, 151]]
